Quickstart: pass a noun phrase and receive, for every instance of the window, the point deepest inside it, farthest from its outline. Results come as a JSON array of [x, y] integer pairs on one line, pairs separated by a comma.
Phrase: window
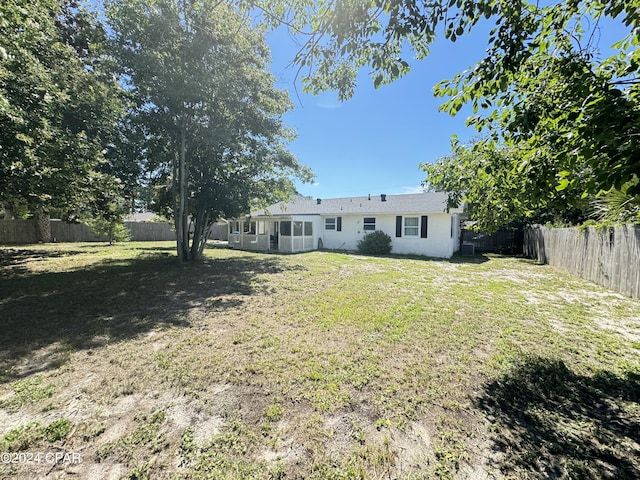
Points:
[[234, 227], [250, 228], [308, 229], [297, 229], [330, 223], [262, 227], [369, 224], [285, 229], [411, 226]]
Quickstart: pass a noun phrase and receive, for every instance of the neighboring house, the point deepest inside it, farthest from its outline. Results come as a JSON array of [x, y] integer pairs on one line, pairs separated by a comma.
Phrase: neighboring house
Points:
[[417, 224]]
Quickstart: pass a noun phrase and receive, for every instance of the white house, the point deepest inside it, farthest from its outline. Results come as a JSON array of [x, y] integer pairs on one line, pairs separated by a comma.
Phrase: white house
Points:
[[417, 224]]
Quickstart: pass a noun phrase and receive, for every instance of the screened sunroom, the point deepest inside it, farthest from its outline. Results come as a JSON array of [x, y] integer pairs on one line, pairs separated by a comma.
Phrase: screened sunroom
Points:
[[296, 233]]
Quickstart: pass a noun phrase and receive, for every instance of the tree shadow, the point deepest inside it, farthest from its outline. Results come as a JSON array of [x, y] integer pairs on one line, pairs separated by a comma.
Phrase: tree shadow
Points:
[[45, 316], [13, 260], [553, 423], [455, 258]]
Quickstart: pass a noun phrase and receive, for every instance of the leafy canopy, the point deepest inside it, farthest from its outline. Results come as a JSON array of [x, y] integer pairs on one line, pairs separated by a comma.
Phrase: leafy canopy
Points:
[[562, 114], [208, 118], [58, 105]]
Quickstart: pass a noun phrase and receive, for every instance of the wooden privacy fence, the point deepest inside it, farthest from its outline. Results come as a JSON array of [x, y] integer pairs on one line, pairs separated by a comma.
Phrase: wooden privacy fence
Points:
[[610, 258], [24, 231]]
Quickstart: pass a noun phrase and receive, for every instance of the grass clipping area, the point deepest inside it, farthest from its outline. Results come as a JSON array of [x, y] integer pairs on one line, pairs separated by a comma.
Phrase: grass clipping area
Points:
[[118, 362]]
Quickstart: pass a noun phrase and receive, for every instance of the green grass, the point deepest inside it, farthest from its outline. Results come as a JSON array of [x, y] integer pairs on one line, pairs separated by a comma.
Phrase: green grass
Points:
[[320, 365], [26, 391]]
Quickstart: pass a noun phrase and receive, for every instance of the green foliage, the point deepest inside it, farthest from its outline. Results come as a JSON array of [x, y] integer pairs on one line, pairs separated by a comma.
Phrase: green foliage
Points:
[[108, 211], [375, 243], [618, 206], [495, 192], [21, 438], [58, 104], [228, 455], [563, 116], [188, 447], [113, 229], [58, 430], [147, 435], [25, 392], [25, 436], [208, 116]]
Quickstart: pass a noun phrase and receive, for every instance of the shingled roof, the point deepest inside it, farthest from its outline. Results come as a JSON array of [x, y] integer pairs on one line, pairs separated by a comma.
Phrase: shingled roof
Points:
[[428, 202]]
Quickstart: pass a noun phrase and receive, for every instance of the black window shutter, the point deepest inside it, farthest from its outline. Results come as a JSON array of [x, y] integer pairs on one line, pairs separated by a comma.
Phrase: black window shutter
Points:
[[339, 224], [398, 226], [423, 226]]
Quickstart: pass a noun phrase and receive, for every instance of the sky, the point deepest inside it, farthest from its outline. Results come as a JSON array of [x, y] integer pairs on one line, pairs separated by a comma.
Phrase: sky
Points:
[[374, 142]]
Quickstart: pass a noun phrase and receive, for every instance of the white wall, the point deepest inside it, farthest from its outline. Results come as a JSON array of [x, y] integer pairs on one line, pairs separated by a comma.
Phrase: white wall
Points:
[[456, 232], [438, 243]]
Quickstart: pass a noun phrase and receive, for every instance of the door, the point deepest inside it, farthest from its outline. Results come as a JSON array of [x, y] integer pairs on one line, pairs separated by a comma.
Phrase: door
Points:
[[275, 234]]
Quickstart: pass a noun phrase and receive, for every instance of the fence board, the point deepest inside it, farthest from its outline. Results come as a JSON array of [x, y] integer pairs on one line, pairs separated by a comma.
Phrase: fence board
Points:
[[73, 232], [610, 258], [150, 231], [24, 232], [18, 231]]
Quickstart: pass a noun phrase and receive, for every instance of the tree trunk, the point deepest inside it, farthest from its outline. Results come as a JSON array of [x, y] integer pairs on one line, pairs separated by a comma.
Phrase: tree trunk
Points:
[[177, 220], [43, 225], [8, 214], [182, 230], [200, 234]]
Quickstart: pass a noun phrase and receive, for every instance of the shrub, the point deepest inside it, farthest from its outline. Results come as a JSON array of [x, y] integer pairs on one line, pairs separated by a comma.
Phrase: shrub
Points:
[[114, 229], [375, 243]]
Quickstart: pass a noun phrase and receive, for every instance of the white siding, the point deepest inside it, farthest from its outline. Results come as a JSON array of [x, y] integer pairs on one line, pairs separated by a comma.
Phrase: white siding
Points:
[[456, 232], [438, 243]]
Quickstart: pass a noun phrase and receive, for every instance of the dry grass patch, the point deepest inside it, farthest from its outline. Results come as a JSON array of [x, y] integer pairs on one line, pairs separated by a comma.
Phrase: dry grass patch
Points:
[[315, 366]]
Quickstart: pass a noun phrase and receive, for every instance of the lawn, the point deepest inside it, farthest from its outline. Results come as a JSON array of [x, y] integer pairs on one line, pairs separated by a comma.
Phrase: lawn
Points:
[[118, 362]]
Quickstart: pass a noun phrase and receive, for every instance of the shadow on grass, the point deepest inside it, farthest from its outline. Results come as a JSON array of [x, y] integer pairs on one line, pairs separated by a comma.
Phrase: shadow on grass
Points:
[[553, 423], [456, 258], [112, 300], [13, 261]]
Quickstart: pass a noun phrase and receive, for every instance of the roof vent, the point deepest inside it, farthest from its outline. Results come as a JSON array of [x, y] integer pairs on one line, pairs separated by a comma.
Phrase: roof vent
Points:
[[318, 201], [383, 197], [369, 196]]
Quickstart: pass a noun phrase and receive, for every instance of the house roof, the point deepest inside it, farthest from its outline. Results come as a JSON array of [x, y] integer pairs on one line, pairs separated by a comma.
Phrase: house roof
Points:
[[428, 202]]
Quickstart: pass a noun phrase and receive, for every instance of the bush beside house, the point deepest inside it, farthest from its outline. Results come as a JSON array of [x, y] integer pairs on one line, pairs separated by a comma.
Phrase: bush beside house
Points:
[[375, 243]]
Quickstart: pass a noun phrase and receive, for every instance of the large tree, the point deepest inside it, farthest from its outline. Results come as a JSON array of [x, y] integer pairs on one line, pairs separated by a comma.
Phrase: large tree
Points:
[[58, 106], [211, 116], [564, 107], [483, 176]]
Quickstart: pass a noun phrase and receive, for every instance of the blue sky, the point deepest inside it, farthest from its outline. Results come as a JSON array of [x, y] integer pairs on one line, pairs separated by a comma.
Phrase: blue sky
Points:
[[374, 142]]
